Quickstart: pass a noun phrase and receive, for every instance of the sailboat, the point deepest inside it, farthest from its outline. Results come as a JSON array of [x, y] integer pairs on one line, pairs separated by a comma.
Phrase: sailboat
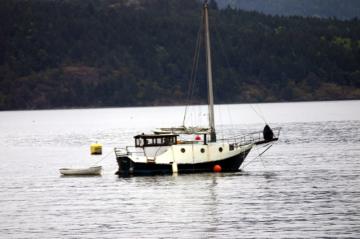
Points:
[[162, 151]]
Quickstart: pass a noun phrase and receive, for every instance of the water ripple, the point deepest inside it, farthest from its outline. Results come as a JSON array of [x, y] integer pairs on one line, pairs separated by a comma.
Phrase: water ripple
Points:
[[306, 186]]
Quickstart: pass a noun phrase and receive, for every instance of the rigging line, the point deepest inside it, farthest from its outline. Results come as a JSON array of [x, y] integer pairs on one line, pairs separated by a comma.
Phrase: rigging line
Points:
[[157, 151], [196, 66], [258, 114], [102, 158], [220, 41], [266, 149], [194, 69], [258, 156], [261, 160], [221, 44], [220, 122], [260, 111], [230, 117], [198, 109]]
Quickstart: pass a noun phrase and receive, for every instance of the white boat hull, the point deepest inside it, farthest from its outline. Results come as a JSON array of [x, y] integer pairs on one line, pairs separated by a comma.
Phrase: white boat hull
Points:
[[81, 171], [184, 158]]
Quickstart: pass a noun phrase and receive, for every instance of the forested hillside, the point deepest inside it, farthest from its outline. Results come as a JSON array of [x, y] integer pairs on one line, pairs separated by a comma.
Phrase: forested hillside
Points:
[[95, 53], [341, 9]]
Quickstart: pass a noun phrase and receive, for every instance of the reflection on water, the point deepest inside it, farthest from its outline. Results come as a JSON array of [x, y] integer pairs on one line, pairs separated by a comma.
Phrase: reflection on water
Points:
[[307, 185]]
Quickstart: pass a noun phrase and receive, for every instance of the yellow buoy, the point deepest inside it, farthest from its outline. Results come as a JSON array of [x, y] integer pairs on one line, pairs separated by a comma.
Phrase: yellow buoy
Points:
[[96, 148]]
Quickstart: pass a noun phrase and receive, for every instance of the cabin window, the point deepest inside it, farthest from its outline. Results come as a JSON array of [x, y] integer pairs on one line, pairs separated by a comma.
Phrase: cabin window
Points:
[[182, 150], [220, 149], [155, 140], [140, 142], [202, 150], [231, 147]]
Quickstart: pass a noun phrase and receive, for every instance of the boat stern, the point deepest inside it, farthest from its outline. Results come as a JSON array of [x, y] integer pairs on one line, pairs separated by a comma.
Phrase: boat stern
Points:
[[125, 164]]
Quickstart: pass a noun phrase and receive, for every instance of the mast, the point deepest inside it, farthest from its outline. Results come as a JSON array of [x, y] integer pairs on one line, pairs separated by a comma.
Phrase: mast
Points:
[[209, 74]]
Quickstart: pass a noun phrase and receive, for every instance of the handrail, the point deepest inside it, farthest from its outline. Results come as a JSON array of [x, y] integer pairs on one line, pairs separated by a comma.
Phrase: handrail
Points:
[[238, 140], [251, 138], [128, 150]]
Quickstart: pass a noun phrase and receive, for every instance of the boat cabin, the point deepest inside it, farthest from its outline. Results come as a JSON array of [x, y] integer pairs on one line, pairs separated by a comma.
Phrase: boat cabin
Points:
[[151, 140]]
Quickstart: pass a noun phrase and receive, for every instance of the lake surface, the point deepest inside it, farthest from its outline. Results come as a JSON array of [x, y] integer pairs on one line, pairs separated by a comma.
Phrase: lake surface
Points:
[[306, 186]]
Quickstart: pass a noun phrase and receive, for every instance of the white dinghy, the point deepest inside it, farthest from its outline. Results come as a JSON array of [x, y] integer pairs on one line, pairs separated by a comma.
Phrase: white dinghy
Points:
[[81, 171]]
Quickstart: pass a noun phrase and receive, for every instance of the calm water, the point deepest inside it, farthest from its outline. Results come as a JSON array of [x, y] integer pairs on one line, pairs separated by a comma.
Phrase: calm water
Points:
[[306, 186]]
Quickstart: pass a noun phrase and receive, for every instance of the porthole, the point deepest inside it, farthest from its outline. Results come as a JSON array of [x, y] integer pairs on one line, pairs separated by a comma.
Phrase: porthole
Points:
[[220, 149], [182, 150], [202, 150]]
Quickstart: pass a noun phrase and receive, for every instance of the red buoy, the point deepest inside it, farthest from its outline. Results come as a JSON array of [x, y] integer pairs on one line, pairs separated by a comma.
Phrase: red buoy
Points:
[[217, 168], [197, 138]]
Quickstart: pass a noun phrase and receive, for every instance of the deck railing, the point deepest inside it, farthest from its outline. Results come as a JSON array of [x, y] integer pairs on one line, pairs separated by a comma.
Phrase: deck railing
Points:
[[128, 150], [251, 138], [236, 140]]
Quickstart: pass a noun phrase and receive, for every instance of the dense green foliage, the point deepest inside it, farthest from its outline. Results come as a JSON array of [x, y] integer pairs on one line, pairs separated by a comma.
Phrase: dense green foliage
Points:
[[86, 53], [342, 9]]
